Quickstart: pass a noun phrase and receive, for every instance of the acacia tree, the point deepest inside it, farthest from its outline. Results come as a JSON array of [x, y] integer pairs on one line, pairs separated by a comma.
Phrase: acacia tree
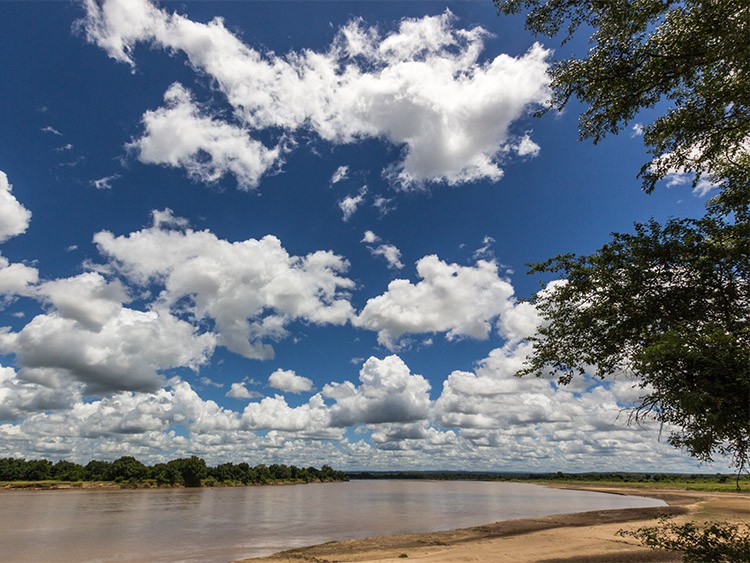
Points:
[[668, 304]]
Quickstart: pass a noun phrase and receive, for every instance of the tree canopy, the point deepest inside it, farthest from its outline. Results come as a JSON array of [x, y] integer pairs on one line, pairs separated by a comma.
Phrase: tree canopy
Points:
[[668, 304], [691, 56]]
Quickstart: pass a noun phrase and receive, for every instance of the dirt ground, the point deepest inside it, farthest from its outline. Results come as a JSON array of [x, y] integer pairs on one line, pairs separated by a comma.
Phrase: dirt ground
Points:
[[588, 537]]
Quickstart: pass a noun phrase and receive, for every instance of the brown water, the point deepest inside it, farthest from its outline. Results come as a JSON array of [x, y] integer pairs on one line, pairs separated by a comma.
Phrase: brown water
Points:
[[229, 523]]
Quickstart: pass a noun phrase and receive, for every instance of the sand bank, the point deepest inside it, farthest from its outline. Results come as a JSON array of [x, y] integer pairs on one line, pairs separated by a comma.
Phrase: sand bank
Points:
[[588, 537]]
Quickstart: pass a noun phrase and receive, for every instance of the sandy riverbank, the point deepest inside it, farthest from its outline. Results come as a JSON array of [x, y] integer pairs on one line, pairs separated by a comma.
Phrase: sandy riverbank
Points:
[[588, 537]]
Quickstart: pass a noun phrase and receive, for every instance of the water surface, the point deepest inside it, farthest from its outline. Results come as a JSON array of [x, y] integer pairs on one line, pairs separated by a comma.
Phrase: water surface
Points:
[[221, 524]]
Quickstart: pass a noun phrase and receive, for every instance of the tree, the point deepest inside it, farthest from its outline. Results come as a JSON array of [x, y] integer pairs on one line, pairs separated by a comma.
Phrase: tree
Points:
[[669, 305], [692, 56], [191, 470], [127, 468]]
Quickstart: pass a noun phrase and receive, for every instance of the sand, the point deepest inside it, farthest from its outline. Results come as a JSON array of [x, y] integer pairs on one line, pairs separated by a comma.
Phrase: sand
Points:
[[588, 537]]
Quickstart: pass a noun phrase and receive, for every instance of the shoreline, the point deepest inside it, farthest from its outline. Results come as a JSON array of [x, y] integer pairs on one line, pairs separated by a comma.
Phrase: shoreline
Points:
[[584, 537]]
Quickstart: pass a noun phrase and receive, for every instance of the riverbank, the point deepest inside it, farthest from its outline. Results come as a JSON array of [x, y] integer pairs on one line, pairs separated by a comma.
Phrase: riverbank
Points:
[[588, 537]]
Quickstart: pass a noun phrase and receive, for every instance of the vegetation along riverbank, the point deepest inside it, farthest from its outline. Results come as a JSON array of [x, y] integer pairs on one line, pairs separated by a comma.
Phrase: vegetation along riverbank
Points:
[[128, 472]]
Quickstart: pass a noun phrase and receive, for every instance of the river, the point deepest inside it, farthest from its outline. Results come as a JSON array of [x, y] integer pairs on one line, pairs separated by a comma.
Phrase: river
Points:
[[221, 524]]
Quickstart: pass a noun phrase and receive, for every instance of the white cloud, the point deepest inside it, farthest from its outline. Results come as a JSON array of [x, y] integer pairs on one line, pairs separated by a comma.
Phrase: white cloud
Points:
[[350, 204], [383, 205], [677, 177], [546, 425], [370, 238], [128, 352], [181, 135], [52, 130], [240, 391], [388, 392], [19, 398], [14, 217], [484, 419], [87, 298], [104, 183], [519, 321], [289, 382], [457, 300], [341, 173], [16, 279], [251, 289], [422, 87], [527, 147], [274, 413], [391, 254], [485, 251], [636, 130]]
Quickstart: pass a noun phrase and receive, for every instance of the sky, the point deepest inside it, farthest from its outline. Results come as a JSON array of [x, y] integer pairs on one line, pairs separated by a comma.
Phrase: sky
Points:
[[298, 232]]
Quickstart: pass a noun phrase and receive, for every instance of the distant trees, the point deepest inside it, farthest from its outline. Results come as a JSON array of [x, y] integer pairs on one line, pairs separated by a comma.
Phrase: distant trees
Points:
[[187, 472], [191, 470]]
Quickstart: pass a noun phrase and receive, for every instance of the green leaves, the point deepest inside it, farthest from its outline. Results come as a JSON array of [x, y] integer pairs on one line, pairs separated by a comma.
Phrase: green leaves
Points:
[[692, 56], [714, 542], [669, 305]]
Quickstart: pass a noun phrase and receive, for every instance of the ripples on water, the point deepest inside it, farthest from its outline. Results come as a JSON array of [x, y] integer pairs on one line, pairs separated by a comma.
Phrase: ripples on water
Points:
[[221, 524]]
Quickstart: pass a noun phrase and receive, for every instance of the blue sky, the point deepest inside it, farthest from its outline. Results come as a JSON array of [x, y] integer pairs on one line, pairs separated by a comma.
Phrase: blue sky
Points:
[[299, 233]]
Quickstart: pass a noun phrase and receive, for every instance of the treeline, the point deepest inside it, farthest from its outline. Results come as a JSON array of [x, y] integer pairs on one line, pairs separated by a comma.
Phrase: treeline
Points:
[[616, 476], [188, 472]]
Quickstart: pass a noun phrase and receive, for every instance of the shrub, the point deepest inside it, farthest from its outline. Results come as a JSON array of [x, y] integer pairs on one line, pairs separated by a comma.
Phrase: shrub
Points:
[[714, 542]]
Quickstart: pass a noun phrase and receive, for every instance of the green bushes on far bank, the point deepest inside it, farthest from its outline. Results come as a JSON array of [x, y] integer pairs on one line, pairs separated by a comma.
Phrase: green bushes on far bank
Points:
[[187, 472], [695, 481]]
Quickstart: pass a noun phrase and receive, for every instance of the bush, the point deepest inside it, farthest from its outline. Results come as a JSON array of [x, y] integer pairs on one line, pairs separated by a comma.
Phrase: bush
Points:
[[715, 542]]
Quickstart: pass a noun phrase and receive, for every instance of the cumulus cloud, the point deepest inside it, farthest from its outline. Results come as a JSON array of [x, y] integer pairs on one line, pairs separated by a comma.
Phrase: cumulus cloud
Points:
[[14, 217], [19, 398], [351, 203], [288, 381], [370, 238], [250, 289], [274, 413], [527, 147], [181, 135], [341, 173], [127, 352], [541, 423], [87, 298], [239, 390], [458, 300], [391, 254], [483, 419], [388, 392], [422, 86], [15, 279]]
